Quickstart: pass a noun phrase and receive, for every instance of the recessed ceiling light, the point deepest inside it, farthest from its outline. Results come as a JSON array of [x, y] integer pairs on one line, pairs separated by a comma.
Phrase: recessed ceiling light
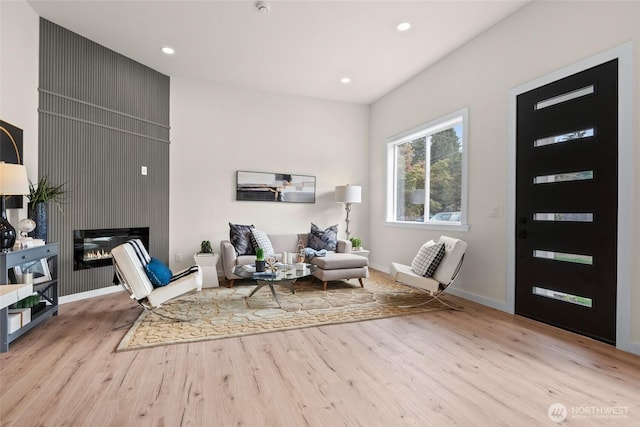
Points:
[[263, 7], [168, 50], [403, 26], [345, 80]]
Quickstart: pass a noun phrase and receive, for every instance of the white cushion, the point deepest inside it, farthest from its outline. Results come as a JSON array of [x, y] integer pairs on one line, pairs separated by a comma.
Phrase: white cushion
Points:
[[454, 250], [132, 270], [192, 282], [284, 242], [404, 274], [428, 258]]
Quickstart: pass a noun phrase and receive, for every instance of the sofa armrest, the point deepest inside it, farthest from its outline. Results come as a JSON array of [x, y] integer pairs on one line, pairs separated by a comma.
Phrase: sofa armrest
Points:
[[344, 246], [229, 257]]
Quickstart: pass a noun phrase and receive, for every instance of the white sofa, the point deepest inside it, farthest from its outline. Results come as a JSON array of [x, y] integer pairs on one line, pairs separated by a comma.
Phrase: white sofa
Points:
[[338, 265]]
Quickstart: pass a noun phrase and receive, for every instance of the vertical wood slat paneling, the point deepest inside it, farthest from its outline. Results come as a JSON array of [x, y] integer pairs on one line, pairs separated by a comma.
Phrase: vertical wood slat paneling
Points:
[[97, 151]]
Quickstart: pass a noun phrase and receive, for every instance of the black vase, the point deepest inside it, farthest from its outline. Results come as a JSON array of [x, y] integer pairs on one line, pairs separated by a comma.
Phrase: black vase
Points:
[[38, 213], [260, 266]]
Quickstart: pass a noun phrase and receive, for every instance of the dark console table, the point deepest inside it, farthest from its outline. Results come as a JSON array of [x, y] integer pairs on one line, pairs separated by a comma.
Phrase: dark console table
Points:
[[47, 289]]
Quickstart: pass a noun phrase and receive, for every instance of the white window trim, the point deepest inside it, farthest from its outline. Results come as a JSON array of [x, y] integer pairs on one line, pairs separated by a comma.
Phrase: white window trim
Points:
[[433, 126]]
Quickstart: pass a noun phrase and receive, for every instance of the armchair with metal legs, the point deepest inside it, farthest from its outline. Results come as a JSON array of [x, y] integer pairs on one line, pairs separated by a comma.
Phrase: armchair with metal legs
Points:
[[443, 277], [129, 260]]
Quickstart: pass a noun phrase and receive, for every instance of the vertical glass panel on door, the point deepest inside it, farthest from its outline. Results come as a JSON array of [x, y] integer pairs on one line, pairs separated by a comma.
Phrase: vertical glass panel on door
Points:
[[565, 137], [563, 177], [564, 257], [579, 93], [563, 296], [563, 217]]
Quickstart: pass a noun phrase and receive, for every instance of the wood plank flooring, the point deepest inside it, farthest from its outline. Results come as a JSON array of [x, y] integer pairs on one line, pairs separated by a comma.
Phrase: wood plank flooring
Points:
[[477, 367]]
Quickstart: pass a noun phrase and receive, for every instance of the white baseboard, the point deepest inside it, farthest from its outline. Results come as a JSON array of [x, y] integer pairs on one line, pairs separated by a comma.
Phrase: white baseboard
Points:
[[90, 294], [478, 298], [379, 267]]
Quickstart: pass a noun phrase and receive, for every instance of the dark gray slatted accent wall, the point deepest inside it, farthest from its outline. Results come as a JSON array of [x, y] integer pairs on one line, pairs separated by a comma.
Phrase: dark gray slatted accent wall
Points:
[[102, 117]]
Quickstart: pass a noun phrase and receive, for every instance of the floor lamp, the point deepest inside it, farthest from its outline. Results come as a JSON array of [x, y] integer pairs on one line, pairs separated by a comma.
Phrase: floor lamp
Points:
[[348, 194], [13, 181]]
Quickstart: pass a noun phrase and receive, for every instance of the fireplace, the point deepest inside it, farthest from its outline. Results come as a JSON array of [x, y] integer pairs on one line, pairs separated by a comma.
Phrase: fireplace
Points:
[[92, 248]]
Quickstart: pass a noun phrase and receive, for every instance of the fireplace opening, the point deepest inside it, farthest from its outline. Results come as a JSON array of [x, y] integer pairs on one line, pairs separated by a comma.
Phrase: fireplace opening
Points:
[[92, 248]]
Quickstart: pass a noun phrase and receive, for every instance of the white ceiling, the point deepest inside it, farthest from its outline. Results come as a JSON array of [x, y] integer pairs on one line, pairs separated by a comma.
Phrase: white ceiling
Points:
[[300, 47]]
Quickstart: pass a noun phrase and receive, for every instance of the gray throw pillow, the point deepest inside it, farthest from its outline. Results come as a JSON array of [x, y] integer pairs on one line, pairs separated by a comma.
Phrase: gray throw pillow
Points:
[[240, 238], [323, 239]]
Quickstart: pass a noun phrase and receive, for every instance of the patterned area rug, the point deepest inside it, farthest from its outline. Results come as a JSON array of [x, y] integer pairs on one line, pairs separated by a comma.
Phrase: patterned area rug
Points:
[[222, 312]]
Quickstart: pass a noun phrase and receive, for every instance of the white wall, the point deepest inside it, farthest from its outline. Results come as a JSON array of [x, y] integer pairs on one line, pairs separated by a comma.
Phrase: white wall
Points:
[[19, 47], [538, 39], [217, 130]]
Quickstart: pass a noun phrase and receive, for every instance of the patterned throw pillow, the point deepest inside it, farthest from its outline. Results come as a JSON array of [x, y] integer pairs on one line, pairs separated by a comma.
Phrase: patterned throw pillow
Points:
[[261, 240], [428, 259], [323, 239], [240, 238]]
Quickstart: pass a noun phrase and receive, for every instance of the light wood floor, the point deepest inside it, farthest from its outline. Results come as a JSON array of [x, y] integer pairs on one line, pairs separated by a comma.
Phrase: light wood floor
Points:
[[477, 367]]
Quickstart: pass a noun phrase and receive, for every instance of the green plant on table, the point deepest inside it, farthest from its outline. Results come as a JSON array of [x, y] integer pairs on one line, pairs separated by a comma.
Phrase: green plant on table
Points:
[[44, 192], [205, 247], [259, 254], [356, 242]]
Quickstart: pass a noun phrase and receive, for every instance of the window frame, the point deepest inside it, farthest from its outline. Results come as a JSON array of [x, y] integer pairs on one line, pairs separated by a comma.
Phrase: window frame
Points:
[[425, 130]]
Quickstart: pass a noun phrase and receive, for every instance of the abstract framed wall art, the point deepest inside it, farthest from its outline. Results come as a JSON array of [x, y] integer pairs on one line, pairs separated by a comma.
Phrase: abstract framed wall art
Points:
[[275, 187], [11, 152]]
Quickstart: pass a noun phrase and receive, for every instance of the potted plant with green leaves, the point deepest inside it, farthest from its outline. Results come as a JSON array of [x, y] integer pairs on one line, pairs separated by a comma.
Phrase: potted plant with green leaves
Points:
[[39, 197], [260, 263], [205, 247], [356, 243]]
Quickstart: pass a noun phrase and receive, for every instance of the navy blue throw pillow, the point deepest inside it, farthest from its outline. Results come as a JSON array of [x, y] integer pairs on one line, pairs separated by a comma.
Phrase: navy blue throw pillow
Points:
[[159, 274]]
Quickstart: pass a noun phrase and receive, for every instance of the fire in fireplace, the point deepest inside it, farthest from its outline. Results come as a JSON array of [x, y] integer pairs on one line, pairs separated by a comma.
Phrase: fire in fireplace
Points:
[[92, 248]]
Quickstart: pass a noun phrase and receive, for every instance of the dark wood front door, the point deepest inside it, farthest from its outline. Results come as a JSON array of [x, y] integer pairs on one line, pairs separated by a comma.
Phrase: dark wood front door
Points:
[[566, 202]]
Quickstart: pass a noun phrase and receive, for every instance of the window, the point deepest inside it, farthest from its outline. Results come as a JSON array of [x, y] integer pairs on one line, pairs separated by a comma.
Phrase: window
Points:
[[426, 175]]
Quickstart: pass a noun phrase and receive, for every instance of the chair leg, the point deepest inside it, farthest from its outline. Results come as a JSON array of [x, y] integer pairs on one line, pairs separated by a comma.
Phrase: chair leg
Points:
[[230, 283], [361, 282], [433, 298], [324, 286]]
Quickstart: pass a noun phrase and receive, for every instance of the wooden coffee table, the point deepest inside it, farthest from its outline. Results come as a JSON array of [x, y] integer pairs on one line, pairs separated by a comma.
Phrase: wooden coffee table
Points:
[[285, 275]]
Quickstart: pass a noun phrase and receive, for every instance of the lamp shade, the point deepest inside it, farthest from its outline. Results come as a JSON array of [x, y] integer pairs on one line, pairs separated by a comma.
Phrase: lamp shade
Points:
[[348, 194], [13, 179]]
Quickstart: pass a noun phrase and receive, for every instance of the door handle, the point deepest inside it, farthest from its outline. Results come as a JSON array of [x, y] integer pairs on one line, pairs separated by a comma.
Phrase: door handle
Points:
[[522, 234]]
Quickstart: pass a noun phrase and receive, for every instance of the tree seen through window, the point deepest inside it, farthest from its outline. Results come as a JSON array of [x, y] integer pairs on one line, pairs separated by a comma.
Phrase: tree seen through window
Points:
[[441, 181]]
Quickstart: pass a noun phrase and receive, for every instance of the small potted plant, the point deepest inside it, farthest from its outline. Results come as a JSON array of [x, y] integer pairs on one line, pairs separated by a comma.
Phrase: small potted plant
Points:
[[205, 247], [39, 197], [260, 260], [356, 243]]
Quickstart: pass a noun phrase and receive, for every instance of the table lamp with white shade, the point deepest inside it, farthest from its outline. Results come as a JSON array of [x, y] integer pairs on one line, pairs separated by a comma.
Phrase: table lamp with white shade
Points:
[[348, 194], [13, 181]]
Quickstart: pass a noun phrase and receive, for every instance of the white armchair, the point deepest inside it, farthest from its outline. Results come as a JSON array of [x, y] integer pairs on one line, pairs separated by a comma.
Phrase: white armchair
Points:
[[128, 264], [444, 275]]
